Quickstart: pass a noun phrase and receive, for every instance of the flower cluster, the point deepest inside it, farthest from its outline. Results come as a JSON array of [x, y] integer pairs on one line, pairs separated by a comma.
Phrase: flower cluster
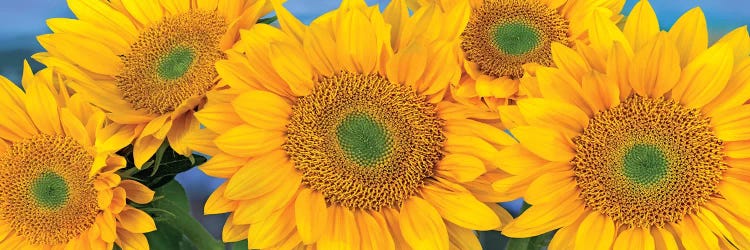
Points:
[[400, 127]]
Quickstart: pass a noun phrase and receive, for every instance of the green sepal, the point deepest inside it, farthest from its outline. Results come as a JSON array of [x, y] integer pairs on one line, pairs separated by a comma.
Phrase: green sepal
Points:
[[163, 166], [268, 20], [240, 245]]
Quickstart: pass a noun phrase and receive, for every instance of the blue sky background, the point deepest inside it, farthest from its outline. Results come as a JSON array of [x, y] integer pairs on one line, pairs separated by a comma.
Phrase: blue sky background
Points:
[[22, 21]]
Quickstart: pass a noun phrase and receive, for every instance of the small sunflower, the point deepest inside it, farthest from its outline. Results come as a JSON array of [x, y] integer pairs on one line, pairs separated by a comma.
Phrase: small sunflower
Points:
[[154, 60], [336, 136], [500, 41], [58, 186], [638, 141]]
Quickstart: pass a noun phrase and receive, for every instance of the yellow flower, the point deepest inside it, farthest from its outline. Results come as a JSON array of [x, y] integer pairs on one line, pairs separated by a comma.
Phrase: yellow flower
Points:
[[501, 41], [57, 172], [336, 135], [638, 140], [147, 63]]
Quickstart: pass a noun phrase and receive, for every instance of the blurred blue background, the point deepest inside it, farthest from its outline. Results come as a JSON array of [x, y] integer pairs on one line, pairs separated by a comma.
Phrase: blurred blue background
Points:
[[22, 21]]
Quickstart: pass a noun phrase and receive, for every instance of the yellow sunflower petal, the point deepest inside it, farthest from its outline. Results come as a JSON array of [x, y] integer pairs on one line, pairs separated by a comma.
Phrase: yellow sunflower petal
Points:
[[287, 60], [548, 187], [557, 85], [617, 68], [567, 59], [549, 113], [690, 34], [539, 219], [218, 117], [264, 172], [655, 68], [460, 207], [634, 238], [342, 231], [462, 238], [131, 241], [461, 167], [565, 237], [71, 46], [641, 25], [288, 22], [545, 143], [98, 12], [263, 110], [217, 204], [422, 226], [73, 127], [232, 232], [390, 217], [663, 239], [144, 148], [106, 223], [145, 12], [739, 40], [271, 231], [598, 92], [736, 92], [136, 221], [43, 109], [137, 192], [90, 31], [604, 228], [247, 141], [222, 165], [373, 235], [248, 212], [695, 234], [705, 77], [311, 214], [604, 34]]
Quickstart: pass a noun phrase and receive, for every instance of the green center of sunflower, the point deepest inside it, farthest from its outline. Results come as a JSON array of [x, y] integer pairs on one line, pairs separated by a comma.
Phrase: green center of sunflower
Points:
[[515, 38], [364, 142], [363, 139], [503, 35], [176, 63], [50, 190], [645, 164], [172, 61], [46, 194], [648, 162]]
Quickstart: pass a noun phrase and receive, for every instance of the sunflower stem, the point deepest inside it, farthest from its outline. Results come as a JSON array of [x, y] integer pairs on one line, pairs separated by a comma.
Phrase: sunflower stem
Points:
[[193, 230]]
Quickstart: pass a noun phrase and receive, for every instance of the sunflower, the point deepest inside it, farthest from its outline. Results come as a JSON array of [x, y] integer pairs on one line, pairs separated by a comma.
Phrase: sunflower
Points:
[[501, 41], [638, 141], [58, 186], [337, 135], [154, 60]]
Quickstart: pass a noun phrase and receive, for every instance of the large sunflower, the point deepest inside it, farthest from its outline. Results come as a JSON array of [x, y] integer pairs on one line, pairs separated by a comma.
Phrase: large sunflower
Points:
[[336, 136], [501, 41], [639, 141], [147, 63], [58, 186]]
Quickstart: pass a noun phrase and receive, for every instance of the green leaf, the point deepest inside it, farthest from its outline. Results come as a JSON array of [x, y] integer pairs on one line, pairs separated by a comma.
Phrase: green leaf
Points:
[[171, 208], [240, 245], [171, 195], [268, 20], [167, 237]]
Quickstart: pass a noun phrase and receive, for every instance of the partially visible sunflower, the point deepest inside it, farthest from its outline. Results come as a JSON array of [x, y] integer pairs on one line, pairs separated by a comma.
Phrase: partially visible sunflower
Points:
[[147, 63], [337, 136], [58, 186], [502, 41], [638, 141]]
